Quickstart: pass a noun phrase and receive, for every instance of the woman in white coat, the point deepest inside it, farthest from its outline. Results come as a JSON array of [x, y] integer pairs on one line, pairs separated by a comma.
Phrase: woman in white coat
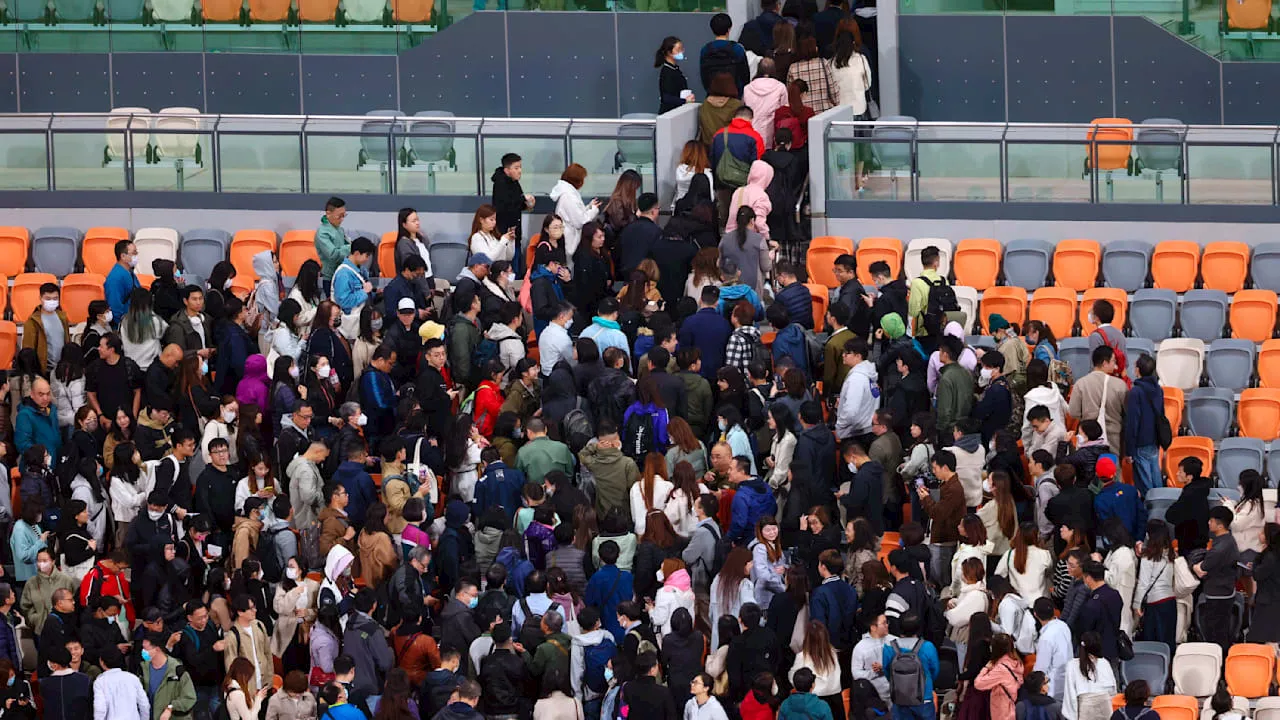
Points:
[[1122, 566], [128, 484], [1041, 391], [293, 603], [783, 449], [1027, 565], [571, 209], [88, 489], [676, 592], [223, 426], [652, 492], [1089, 675], [730, 589], [973, 598], [767, 567], [973, 544]]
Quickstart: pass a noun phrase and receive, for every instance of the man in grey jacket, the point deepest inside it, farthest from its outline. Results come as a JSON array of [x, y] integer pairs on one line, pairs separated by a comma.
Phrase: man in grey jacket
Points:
[[700, 555], [306, 486], [366, 642], [1041, 463], [869, 653]]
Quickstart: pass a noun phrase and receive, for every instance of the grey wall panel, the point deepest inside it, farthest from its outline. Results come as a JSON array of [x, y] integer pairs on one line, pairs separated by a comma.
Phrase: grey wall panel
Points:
[[64, 82], [251, 83], [462, 70], [348, 85], [1059, 71], [563, 66], [158, 80], [1251, 92], [8, 83], [945, 80], [639, 36], [1146, 88]]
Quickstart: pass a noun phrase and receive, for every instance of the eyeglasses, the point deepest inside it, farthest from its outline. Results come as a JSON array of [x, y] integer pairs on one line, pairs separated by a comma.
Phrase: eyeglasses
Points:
[[220, 451], [306, 417]]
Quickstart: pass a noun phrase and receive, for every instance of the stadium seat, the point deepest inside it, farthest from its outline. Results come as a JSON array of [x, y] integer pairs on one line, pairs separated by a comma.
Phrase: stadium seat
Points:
[[1248, 15], [1175, 265], [448, 259], [145, 280], [871, 249], [1176, 707], [1203, 314], [156, 243], [1117, 701], [1175, 402], [1253, 315], [1197, 667], [1134, 349], [1159, 499], [845, 244], [97, 250], [1267, 708], [985, 342], [14, 244], [1076, 354], [1224, 266], [1229, 363], [1150, 662], [911, 265], [8, 342], [1055, 307], [819, 263], [1269, 364], [1076, 263], [78, 290], [1011, 302], [269, 11], [1126, 264], [1237, 454], [976, 262], [220, 10], [1264, 268], [1119, 300], [317, 11], [247, 243], [1258, 413], [1210, 412], [55, 250], [1109, 149], [387, 255], [180, 142], [1026, 263], [820, 297], [410, 11], [1238, 703], [1152, 313], [1180, 362], [128, 130], [201, 249], [1249, 669], [297, 247], [967, 299], [25, 295]]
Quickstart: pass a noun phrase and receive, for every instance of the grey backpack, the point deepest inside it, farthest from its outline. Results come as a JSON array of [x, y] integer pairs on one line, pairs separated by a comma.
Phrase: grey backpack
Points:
[[906, 676]]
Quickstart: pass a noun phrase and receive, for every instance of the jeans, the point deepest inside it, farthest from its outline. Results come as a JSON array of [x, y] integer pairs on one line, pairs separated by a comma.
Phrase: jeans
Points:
[[941, 569], [914, 712], [1146, 468], [207, 701], [591, 708], [1160, 623]]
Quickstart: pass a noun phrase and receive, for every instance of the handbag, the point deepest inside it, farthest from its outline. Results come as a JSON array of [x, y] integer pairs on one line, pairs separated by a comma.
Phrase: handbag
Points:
[[350, 324]]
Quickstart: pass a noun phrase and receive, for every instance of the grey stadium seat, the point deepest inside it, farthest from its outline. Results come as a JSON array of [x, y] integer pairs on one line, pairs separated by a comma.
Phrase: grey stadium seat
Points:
[[1151, 662], [201, 250], [56, 250], [1159, 499], [1235, 455], [1203, 314], [375, 146], [1210, 411], [1217, 495], [1027, 262], [986, 342], [1152, 313], [1273, 466], [1125, 264], [1229, 363], [1265, 266], [1135, 348], [447, 260], [1076, 354]]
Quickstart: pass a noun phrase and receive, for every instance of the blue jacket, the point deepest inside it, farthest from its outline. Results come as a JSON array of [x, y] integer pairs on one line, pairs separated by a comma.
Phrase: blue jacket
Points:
[[37, 427], [345, 711], [378, 400], [348, 287], [798, 302], [606, 334], [1123, 501], [709, 331], [1145, 400], [9, 642], [740, 139], [928, 659], [804, 706], [731, 294], [752, 501], [499, 485], [790, 342], [360, 490], [25, 542], [994, 408], [119, 286], [834, 604], [598, 595]]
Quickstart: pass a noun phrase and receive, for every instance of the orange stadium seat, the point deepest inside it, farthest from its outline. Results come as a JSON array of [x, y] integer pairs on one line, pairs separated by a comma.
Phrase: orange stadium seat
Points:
[[412, 11], [1249, 669], [1174, 401], [97, 250], [317, 11], [221, 10], [1224, 266], [1258, 413], [1010, 302], [871, 249], [297, 247], [1269, 364], [1055, 307], [1175, 265], [14, 245], [1076, 263], [26, 293], [1186, 446], [976, 262], [843, 243], [272, 11], [1114, 144], [8, 342], [247, 243], [1176, 707], [387, 254], [1253, 315], [820, 264], [78, 290], [818, 294]]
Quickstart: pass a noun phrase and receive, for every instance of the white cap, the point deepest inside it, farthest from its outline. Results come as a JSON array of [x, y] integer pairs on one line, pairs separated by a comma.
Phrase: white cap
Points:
[[406, 304]]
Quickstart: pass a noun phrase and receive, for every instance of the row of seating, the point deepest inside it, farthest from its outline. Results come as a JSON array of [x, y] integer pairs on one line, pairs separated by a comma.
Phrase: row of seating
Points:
[[1197, 669], [1078, 264], [224, 11]]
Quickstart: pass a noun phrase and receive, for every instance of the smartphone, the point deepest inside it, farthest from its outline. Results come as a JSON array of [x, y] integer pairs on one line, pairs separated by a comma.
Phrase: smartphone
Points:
[[270, 488]]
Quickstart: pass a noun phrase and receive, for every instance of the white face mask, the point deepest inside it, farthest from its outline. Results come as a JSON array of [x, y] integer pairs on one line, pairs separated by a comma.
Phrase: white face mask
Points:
[[376, 323], [49, 305], [108, 317], [362, 420], [662, 577], [227, 285], [293, 372], [511, 277], [1081, 439], [853, 467], [291, 573], [154, 515], [323, 371], [46, 566], [228, 416], [985, 373], [986, 486]]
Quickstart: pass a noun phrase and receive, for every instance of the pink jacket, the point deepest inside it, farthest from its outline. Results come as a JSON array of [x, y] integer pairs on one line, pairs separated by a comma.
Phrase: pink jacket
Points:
[[754, 194], [254, 387], [764, 96], [1003, 679]]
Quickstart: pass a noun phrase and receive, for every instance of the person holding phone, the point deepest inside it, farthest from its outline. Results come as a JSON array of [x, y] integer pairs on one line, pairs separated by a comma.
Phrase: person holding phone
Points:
[[485, 238]]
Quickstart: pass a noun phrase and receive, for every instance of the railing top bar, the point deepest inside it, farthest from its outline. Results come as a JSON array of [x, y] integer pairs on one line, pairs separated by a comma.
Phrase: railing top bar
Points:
[[1042, 126], [339, 118]]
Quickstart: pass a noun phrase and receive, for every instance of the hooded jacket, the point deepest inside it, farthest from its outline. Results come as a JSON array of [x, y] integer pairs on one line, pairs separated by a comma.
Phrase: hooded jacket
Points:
[[545, 295], [752, 501], [676, 592], [802, 706], [858, 398], [615, 473], [755, 195], [268, 293], [245, 539], [790, 342], [306, 491], [510, 344], [455, 545], [573, 211], [764, 96], [578, 663], [366, 643], [1144, 401], [740, 139], [175, 691], [255, 386]]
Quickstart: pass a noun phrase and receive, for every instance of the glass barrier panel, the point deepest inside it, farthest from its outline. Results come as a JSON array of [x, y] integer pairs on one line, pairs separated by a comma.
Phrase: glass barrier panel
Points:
[[92, 153], [541, 145], [607, 150], [440, 158], [1154, 172], [250, 159], [1047, 165], [959, 163], [1230, 166], [353, 156], [24, 160]]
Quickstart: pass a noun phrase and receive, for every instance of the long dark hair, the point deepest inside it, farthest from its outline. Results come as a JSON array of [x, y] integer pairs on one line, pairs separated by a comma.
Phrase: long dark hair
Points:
[[308, 282], [455, 444], [71, 364], [401, 217], [222, 272], [1158, 545], [138, 325], [1090, 651], [744, 218], [668, 44], [1250, 490]]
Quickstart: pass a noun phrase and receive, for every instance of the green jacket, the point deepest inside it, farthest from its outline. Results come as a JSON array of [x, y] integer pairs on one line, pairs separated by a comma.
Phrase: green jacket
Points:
[[464, 336], [549, 656], [698, 402], [918, 299], [615, 473], [37, 596], [955, 395], [804, 706], [541, 456], [177, 690], [332, 246]]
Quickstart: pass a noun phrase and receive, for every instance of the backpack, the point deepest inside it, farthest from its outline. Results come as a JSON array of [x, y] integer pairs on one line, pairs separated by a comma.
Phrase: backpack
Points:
[[730, 171], [722, 547], [269, 556], [309, 546], [942, 300], [721, 58], [643, 645], [815, 346], [531, 629], [577, 429], [595, 658], [481, 354], [933, 620], [906, 676], [637, 436]]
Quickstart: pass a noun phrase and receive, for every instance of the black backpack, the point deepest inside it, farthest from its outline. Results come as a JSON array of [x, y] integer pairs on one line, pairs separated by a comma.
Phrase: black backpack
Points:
[[531, 629], [722, 547], [942, 300], [721, 59], [269, 558], [637, 437]]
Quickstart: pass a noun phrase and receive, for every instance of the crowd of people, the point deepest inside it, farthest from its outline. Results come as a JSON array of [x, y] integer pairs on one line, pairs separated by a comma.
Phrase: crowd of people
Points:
[[645, 481]]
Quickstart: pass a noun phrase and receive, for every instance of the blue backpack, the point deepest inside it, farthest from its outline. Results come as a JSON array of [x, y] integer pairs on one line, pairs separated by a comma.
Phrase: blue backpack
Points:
[[596, 658]]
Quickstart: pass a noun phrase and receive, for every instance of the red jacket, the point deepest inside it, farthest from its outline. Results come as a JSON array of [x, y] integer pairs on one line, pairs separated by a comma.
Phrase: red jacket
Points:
[[752, 709], [489, 401], [737, 138], [114, 584]]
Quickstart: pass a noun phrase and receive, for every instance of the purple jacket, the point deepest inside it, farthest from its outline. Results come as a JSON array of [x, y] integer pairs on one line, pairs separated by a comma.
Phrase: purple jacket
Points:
[[255, 386], [541, 540]]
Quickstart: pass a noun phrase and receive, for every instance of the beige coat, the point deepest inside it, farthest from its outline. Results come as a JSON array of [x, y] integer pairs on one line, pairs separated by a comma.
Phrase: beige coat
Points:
[[284, 604], [1087, 399], [257, 648]]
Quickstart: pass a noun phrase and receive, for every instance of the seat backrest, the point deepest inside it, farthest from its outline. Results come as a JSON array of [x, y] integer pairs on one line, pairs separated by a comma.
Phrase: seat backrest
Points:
[[1027, 263], [897, 132], [1175, 264], [1203, 314], [1119, 300], [1174, 403], [203, 248], [1196, 669], [1075, 264], [269, 10], [872, 249], [1159, 499], [1224, 266], [432, 140], [1183, 447], [1264, 268], [1269, 364], [1180, 362], [317, 11], [1229, 363], [387, 254], [412, 11], [376, 144], [1253, 315], [8, 342], [179, 142], [1134, 349], [967, 299], [1237, 454], [55, 250], [1152, 313], [97, 251], [247, 243], [1210, 411], [976, 262], [1011, 302], [819, 298], [820, 263], [1164, 156], [447, 259], [132, 122], [297, 247], [1055, 307], [1109, 147], [25, 297], [1076, 354], [1259, 413], [1149, 664], [911, 264], [844, 243], [155, 243], [1250, 669], [78, 290], [1126, 264], [15, 241]]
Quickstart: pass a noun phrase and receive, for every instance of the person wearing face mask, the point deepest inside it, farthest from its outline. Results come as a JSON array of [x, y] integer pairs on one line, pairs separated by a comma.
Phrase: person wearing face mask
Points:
[[218, 291], [168, 685], [47, 330], [673, 88], [407, 285], [216, 486], [1013, 348], [248, 529], [994, 409], [459, 624], [98, 325], [200, 650], [865, 497], [122, 281], [326, 340], [37, 592], [15, 695], [222, 427]]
